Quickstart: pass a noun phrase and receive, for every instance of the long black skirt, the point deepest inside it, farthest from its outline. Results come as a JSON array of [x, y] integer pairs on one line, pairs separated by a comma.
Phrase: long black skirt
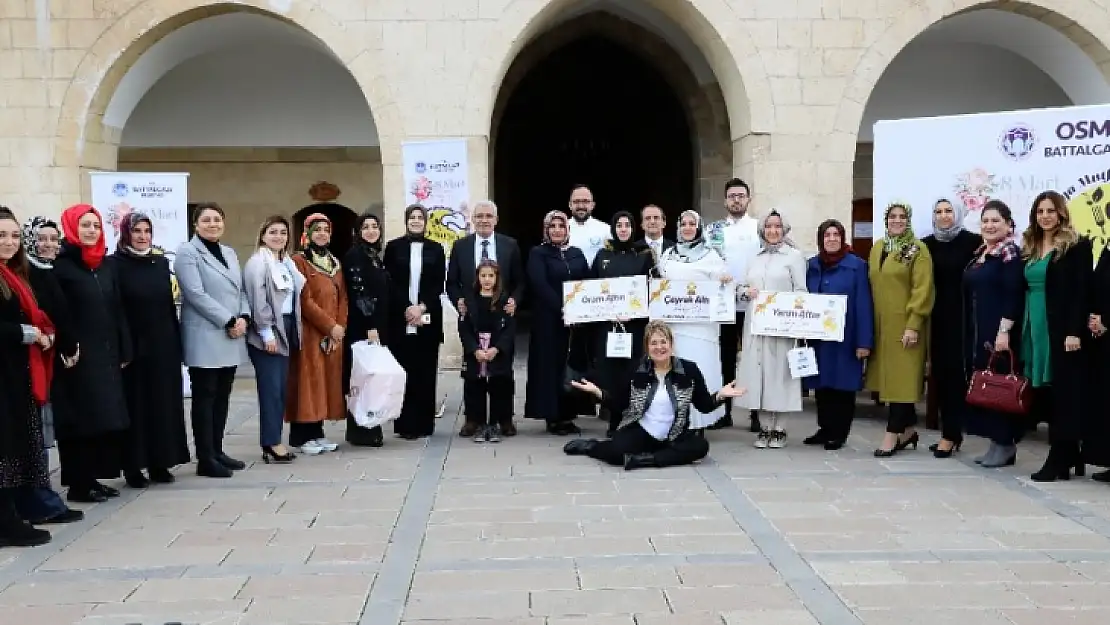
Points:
[[88, 458], [419, 357]]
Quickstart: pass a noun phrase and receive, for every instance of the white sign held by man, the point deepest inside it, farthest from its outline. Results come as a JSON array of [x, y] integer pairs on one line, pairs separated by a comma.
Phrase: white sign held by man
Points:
[[799, 315], [604, 299]]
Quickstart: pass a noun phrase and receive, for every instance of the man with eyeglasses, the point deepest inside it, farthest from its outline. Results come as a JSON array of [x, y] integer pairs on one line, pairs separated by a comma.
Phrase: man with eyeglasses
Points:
[[736, 239], [586, 233]]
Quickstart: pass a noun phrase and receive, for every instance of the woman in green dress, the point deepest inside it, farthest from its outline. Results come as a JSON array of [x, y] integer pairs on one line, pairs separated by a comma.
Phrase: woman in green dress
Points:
[[1058, 271]]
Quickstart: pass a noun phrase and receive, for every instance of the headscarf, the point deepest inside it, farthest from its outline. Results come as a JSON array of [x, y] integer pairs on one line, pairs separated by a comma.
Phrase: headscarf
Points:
[[412, 208], [898, 244], [123, 246], [829, 259], [92, 255], [373, 250], [761, 229], [318, 255], [615, 243], [548, 219], [696, 248], [31, 240], [944, 235]]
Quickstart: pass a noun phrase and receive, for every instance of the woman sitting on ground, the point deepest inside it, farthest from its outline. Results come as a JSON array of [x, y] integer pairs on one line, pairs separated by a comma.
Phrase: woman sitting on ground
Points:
[[658, 429]]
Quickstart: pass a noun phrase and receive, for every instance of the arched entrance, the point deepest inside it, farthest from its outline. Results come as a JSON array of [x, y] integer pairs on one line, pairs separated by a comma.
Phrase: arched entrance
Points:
[[1018, 56], [255, 106], [602, 99], [342, 221]]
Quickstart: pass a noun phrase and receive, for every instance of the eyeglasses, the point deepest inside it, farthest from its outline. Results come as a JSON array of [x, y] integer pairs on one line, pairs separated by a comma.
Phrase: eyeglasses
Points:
[[736, 196]]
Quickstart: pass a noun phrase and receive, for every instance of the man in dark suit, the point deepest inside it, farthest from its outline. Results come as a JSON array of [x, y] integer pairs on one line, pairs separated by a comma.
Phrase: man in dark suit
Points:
[[652, 220], [470, 250]]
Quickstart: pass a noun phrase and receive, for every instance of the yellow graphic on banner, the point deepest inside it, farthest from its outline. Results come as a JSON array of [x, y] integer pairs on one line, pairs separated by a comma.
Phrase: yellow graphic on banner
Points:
[[1088, 205], [657, 293]]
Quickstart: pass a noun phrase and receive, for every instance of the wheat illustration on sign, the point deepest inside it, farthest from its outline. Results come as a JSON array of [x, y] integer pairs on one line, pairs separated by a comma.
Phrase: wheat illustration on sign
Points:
[[766, 302], [575, 290], [662, 286]]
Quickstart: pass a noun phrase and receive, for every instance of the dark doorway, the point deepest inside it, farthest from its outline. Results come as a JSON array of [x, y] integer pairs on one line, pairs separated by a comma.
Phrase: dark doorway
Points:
[[342, 222], [593, 113]]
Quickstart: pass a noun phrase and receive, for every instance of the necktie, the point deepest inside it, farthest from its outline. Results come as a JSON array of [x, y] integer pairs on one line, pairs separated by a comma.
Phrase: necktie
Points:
[[485, 249]]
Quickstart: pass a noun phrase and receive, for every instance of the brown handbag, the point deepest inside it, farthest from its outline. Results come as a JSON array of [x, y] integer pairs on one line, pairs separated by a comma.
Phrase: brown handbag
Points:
[[1002, 392]]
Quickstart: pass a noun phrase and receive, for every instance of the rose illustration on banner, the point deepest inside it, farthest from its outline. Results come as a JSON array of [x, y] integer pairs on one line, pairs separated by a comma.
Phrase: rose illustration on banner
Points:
[[974, 189], [421, 189], [117, 213]]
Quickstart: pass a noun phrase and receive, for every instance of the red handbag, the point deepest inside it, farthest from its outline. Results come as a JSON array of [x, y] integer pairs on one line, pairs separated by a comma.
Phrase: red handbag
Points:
[[1002, 392]]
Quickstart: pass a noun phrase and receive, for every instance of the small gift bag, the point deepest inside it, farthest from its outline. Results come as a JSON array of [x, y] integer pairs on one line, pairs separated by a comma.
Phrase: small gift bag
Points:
[[802, 361]]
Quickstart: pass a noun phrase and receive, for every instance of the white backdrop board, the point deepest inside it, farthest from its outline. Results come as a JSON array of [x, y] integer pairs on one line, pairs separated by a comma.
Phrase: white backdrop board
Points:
[[1010, 156]]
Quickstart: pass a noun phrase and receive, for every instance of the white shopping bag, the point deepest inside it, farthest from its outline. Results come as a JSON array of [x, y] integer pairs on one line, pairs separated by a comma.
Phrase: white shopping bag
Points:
[[377, 385], [802, 362]]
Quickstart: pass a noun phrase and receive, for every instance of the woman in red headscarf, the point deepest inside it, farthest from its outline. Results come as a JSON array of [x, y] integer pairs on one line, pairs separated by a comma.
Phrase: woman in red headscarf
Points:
[[316, 370], [26, 357], [90, 408]]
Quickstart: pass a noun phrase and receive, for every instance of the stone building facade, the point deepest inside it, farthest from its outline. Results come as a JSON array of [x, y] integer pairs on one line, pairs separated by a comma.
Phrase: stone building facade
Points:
[[779, 92]]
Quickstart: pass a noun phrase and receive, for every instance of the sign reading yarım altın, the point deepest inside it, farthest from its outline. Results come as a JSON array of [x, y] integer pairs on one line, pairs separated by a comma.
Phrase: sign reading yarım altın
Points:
[[799, 315]]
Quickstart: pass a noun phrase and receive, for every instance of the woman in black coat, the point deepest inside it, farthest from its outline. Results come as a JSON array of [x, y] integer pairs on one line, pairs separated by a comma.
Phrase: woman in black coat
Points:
[[367, 309], [415, 322], [156, 438], [26, 344], [1096, 431], [951, 248], [621, 257], [549, 346], [1065, 261], [90, 409]]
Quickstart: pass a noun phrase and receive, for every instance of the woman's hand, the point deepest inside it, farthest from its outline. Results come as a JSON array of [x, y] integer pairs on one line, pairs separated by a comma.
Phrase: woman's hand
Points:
[[1094, 324], [372, 336], [337, 333], [731, 391], [491, 353], [412, 315], [586, 386], [909, 338], [1002, 342], [862, 352], [71, 362], [1072, 344], [725, 278], [510, 307], [271, 346], [753, 293], [43, 341]]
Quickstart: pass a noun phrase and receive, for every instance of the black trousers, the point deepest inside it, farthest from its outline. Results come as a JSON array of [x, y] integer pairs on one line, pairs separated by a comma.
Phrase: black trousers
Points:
[[211, 403], [900, 418], [835, 411], [951, 401], [688, 448], [488, 401], [732, 339]]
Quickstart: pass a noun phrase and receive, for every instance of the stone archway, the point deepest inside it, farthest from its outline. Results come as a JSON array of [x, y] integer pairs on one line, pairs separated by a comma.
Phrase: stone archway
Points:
[[696, 159], [713, 25], [83, 142]]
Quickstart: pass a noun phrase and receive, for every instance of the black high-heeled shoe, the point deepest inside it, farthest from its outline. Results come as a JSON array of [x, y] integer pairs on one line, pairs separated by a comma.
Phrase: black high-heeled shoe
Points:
[[945, 453], [902, 444], [270, 456]]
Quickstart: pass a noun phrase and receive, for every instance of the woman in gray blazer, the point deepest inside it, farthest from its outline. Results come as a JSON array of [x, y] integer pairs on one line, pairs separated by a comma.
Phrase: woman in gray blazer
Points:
[[214, 320], [273, 287]]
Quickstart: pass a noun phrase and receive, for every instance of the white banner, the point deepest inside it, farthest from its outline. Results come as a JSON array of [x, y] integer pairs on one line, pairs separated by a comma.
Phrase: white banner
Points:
[[699, 301], [1009, 156], [604, 299], [163, 197], [436, 177], [799, 315]]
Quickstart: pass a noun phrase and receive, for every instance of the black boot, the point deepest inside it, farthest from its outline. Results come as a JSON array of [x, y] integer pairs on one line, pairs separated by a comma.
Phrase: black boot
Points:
[[363, 437], [1055, 466], [229, 462], [580, 446], [640, 461], [15, 532], [755, 426], [136, 479], [722, 423]]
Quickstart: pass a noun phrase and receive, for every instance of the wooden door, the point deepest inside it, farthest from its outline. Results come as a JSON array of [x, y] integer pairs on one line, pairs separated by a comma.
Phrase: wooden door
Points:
[[862, 217]]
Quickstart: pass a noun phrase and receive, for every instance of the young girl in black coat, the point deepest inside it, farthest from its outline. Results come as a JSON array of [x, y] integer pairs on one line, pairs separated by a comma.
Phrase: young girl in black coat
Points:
[[488, 335]]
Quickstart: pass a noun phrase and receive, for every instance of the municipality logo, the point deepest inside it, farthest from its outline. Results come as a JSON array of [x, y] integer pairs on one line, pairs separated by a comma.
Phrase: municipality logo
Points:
[[421, 167], [1017, 143], [120, 189]]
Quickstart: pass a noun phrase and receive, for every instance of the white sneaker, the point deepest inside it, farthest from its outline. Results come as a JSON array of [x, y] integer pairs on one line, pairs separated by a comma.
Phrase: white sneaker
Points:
[[778, 440], [311, 448], [326, 445], [762, 439]]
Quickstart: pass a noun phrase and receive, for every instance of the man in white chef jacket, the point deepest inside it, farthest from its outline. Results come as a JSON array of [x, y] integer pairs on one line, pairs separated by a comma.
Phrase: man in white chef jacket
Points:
[[586, 233], [736, 239]]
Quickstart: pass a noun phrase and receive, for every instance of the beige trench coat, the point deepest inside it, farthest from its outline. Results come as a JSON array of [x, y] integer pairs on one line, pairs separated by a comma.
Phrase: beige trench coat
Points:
[[763, 369]]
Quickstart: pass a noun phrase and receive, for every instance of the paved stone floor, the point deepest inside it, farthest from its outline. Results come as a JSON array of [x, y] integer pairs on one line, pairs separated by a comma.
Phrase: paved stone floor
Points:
[[445, 531]]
